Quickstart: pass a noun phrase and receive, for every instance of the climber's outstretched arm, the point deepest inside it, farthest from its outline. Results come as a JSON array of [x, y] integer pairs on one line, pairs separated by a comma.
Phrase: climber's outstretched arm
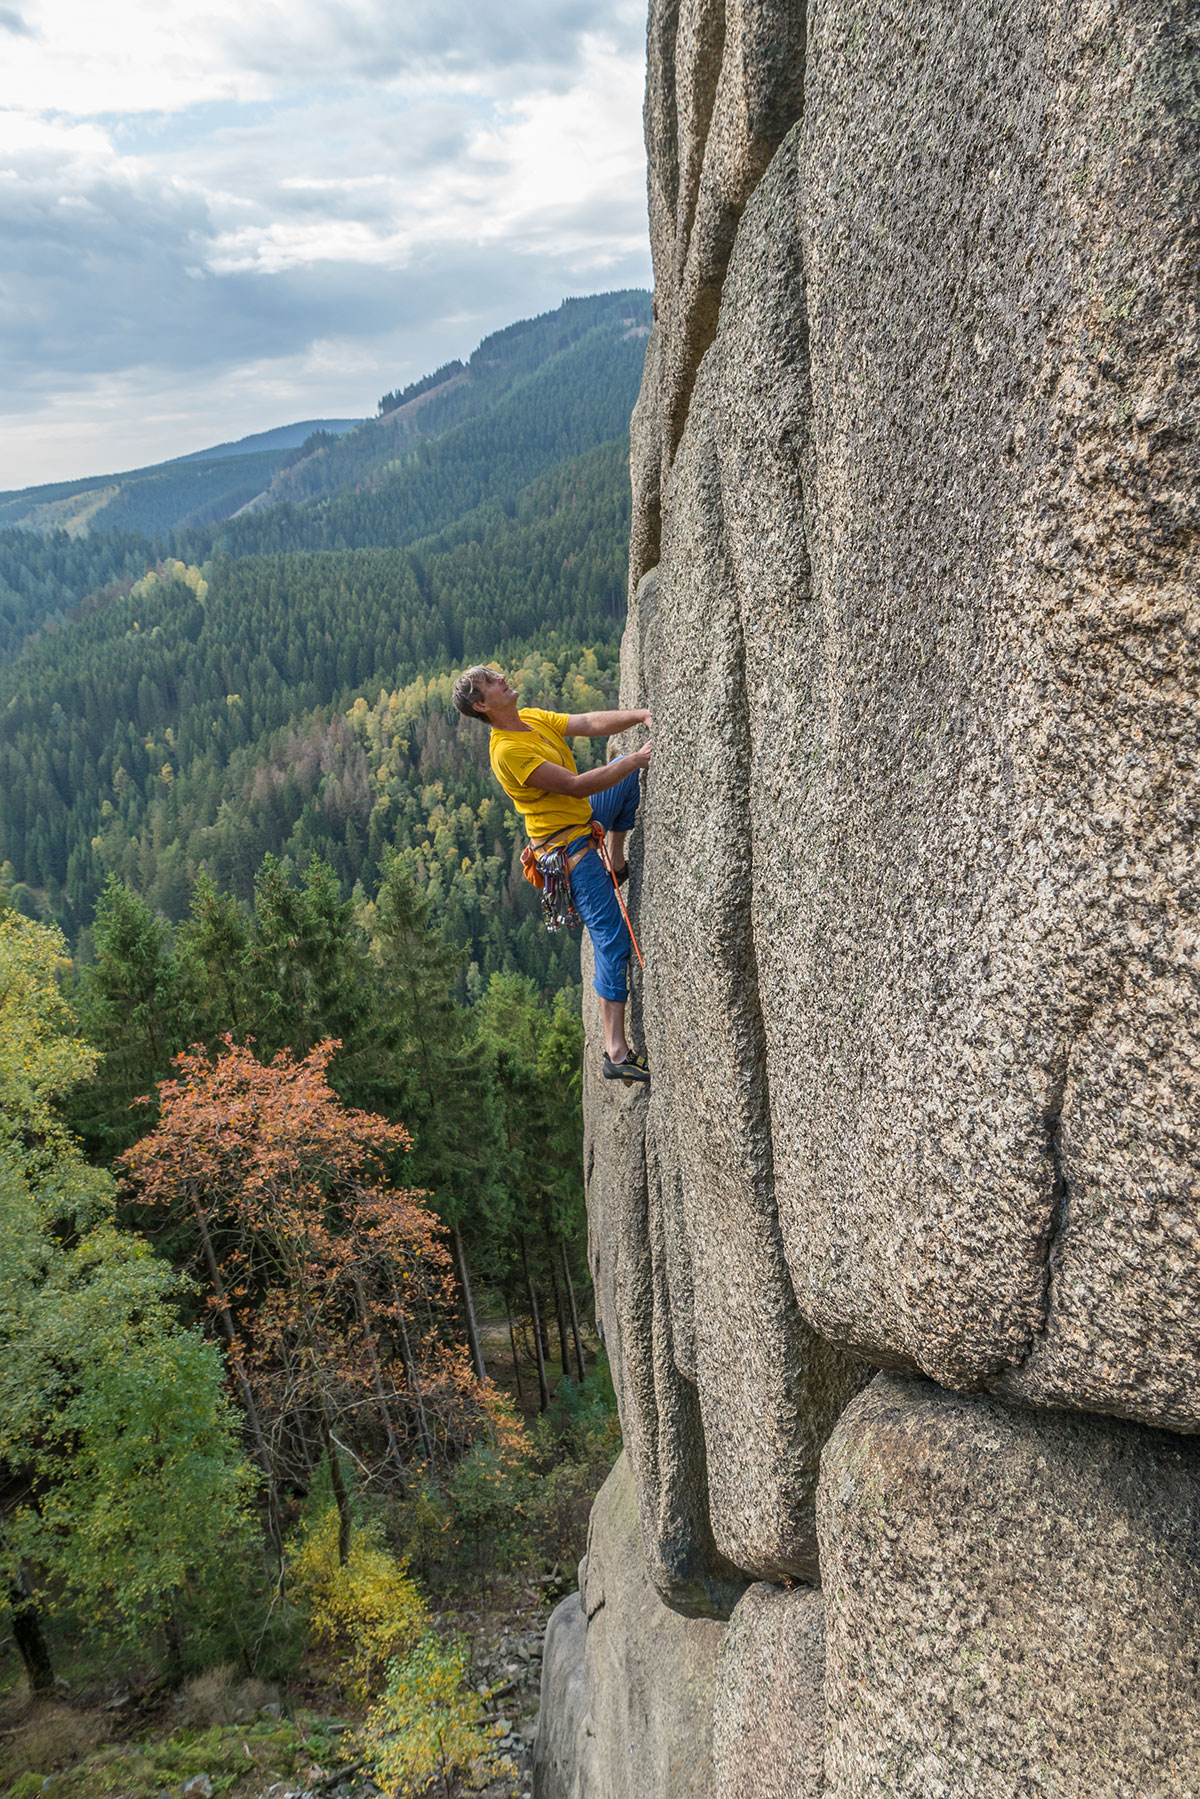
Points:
[[605, 724]]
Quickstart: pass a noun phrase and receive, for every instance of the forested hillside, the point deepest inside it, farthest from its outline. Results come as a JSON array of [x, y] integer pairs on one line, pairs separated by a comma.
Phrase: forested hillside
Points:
[[577, 399], [456, 392], [204, 720], [321, 1102], [44, 577], [150, 500]]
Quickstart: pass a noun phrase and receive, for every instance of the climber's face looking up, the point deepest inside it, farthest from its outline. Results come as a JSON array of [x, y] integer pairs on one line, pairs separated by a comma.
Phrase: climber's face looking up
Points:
[[493, 690]]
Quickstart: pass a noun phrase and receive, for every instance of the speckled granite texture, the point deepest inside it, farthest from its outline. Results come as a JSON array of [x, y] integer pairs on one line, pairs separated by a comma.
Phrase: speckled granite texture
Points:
[[769, 1702], [769, 1388], [564, 1751], [660, 1413], [914, 602], [1012, 1602], [921, 829], [724, 82]]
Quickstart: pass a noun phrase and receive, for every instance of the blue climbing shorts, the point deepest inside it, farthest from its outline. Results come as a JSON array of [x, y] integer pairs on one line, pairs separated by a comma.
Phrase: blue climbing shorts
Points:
[[595, 896]]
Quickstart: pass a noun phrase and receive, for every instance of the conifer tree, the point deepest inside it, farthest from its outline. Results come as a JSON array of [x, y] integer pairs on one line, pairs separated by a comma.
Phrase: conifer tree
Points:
[[129, 1004], [435, 1055], [535, 1051], [215, 951], [308, 961]]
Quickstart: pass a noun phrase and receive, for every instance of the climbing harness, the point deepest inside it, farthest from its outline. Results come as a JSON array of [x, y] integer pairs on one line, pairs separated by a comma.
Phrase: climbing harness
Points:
[[549, 868]]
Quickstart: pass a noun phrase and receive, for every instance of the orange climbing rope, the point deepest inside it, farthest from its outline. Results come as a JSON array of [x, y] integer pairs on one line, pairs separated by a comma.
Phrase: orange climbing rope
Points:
[[604, 857]]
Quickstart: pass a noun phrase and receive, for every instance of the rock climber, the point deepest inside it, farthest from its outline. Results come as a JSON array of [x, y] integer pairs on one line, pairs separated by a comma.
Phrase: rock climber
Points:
[[531, 760]]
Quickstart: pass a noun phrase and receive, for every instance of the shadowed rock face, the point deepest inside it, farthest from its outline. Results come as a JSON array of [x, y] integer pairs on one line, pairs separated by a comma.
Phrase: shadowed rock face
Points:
[[724, 82], [626, 1682], [564, 1752], [659, 1408], [638, 1264], [769, 1390], [1011, 1601]]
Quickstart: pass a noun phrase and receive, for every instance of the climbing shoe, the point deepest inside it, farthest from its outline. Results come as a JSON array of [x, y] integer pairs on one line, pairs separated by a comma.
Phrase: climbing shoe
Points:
[[621, 875], [633, 1068]]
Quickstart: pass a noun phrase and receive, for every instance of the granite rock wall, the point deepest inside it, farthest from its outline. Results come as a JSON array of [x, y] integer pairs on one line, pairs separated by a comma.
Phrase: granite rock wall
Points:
[[1012, 1600], [626, 1681], [914, 603]]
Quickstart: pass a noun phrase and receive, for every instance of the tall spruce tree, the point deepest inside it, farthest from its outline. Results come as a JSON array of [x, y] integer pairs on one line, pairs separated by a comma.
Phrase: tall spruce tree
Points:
[[442, 1080], [129, 1004], [535, 1053]]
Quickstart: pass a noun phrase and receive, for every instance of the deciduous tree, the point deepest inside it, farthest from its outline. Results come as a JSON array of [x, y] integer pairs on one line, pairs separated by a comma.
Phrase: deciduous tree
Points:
[[329, 1284], [122, 1479]]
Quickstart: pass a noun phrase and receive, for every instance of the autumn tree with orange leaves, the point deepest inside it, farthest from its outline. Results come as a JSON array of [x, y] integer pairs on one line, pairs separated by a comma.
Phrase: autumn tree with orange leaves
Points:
[[328, 1284]]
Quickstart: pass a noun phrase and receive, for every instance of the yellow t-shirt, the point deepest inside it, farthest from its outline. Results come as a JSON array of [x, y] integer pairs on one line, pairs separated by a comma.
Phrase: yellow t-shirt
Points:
[[514, 756]]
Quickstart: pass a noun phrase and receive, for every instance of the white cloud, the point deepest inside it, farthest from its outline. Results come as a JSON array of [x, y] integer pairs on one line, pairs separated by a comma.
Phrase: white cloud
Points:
[[552, 166], [127, 56], [213, 210], [475, 42], [147, 56]]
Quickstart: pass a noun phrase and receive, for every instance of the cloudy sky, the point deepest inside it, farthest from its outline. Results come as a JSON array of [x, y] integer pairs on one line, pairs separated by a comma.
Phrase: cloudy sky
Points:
[[222, 215]]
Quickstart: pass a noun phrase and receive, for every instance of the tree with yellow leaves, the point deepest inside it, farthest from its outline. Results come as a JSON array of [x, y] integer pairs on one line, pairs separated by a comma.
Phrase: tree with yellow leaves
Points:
[[429, 1724]]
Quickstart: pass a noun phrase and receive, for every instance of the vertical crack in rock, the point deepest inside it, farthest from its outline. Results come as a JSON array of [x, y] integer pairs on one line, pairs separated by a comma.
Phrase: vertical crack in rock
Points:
[[699, 58], [1058, 1197], [758, 96], [1046, 1247], [677, 1259], [661, 124], [819, 1380], [640, 648], [715, 115], [660, 1414]]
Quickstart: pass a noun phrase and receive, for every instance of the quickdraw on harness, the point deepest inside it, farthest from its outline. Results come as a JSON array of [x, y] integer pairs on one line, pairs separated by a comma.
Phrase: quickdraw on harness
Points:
[[549, 867]]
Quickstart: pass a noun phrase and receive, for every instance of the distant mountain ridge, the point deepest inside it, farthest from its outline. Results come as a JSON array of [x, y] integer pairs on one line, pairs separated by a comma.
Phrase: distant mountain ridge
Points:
[[282, 437], [255, 473], [152, 500], [22, 507]]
